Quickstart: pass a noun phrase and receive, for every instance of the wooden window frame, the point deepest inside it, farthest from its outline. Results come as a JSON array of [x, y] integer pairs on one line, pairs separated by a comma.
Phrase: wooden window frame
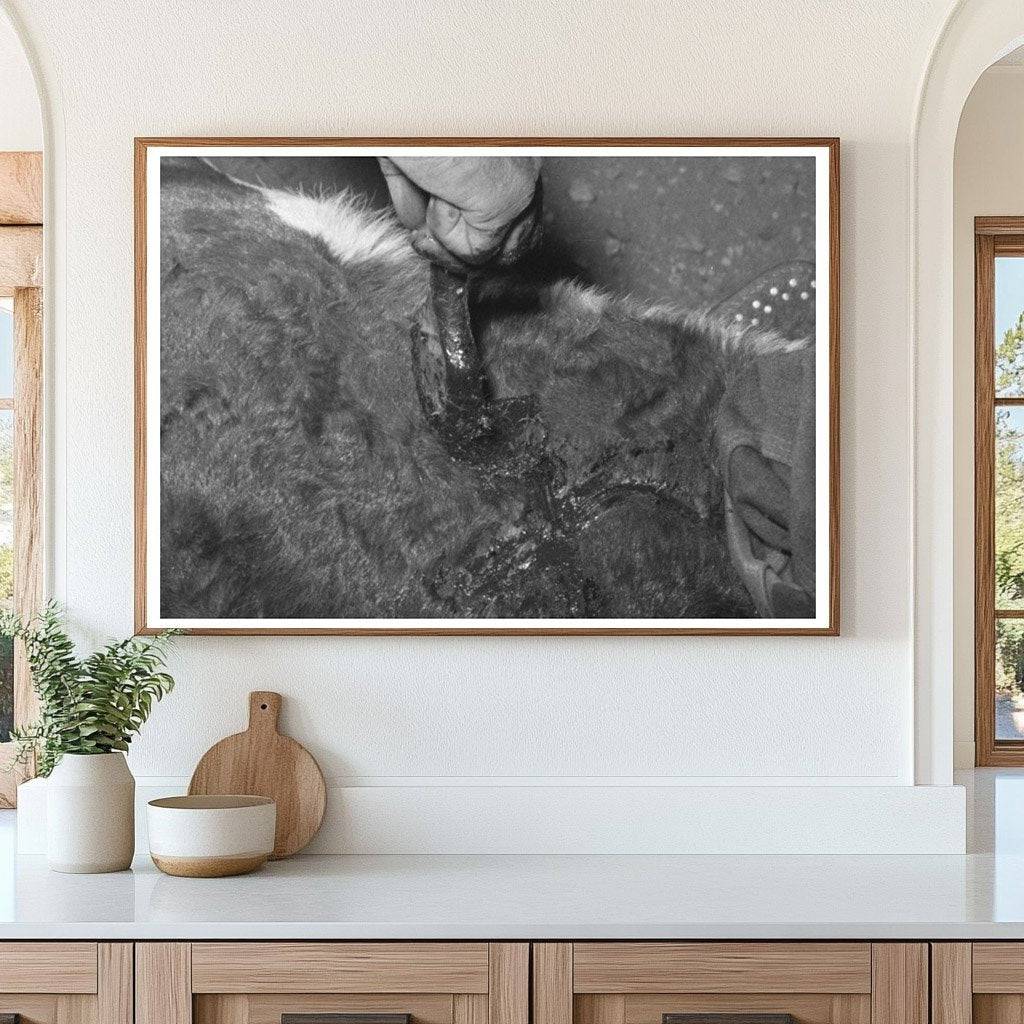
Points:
[[993, 236], [21, 271]]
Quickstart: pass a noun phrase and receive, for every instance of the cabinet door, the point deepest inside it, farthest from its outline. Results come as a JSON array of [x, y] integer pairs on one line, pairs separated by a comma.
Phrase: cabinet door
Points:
[[315, 982], [66, 982], [737, 982], [980, 982]]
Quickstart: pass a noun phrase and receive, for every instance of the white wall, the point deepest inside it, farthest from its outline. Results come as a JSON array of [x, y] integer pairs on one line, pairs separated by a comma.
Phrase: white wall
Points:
[[440, 712], [988, 181], [21, 125]]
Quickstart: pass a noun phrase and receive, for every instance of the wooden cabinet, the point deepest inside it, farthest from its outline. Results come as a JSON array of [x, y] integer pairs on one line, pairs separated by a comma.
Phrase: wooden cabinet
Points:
[[66, 982], [259, 982], [494, 983], [815, 982]]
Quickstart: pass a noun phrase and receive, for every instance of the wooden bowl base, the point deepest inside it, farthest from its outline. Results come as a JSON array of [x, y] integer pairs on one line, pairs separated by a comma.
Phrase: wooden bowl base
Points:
[[209, 867]]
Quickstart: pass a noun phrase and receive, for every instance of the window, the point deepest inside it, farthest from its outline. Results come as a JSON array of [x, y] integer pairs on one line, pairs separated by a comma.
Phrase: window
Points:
[[21, 253], [999, 490]]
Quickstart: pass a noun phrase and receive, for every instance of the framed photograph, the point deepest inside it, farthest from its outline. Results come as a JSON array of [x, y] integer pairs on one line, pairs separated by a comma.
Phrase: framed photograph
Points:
[[487, 386]]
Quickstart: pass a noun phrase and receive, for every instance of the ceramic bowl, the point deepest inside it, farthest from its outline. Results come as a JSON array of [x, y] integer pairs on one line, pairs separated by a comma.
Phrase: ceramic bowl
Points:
[[211, 836]]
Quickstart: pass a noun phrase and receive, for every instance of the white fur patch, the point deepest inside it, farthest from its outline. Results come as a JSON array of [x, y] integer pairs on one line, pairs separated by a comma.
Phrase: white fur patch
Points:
[[579, 297], [353, 233], [767, 342], [733, 337], [664, 312], [753, 340]]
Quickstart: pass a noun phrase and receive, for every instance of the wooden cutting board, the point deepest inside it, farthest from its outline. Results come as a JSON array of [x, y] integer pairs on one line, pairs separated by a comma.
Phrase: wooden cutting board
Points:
[[262, 762]]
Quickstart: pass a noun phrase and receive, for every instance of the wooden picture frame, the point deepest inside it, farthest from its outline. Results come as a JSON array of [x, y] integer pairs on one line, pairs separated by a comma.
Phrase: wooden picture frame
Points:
[[826, 619]]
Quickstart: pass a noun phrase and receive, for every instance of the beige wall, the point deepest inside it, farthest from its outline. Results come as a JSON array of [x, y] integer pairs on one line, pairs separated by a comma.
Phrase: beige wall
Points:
[[439, 714], [989, 180]]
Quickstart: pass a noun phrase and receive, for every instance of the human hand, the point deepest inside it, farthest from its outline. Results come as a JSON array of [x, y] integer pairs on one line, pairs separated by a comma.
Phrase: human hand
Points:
[[466, 211], [761, 496], [766, 426]]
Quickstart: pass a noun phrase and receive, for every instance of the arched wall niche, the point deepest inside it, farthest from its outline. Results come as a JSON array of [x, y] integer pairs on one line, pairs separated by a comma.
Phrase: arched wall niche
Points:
[[976, 34]]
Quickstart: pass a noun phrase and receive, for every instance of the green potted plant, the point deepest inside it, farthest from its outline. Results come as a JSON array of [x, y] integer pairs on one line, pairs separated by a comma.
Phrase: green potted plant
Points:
[[89, 710]]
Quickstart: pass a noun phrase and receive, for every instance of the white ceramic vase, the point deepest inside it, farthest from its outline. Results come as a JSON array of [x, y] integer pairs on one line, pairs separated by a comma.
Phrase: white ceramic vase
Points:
[[90, 814]]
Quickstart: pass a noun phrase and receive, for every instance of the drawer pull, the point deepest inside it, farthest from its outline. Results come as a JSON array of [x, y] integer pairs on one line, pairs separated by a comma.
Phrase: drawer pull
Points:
[[728, 1018], [340, 1018]]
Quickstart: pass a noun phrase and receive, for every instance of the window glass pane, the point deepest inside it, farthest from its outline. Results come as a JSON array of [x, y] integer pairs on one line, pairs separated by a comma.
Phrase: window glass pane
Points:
[[1009, 326], [6, 567], [6, 348], [1009, 679], [1009, 539]]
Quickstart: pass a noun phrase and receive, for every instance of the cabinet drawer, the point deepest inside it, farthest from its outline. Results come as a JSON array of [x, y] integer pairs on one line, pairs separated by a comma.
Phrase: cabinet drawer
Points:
[[66, 982], [262, 982], [736, 982], [998, 967], [630, 967], [981, 982], [340, 967], [48, 967]]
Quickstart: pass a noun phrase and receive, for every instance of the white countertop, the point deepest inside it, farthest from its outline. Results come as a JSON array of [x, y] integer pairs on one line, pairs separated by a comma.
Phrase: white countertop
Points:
[[980, 895], [532, 897]]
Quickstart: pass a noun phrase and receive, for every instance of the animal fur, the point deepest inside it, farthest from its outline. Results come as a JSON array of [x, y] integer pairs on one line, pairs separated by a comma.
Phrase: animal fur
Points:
[[300, 477]]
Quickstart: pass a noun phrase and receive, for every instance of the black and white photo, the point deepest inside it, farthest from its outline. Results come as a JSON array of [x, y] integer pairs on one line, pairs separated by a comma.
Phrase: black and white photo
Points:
[[462, 387]]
